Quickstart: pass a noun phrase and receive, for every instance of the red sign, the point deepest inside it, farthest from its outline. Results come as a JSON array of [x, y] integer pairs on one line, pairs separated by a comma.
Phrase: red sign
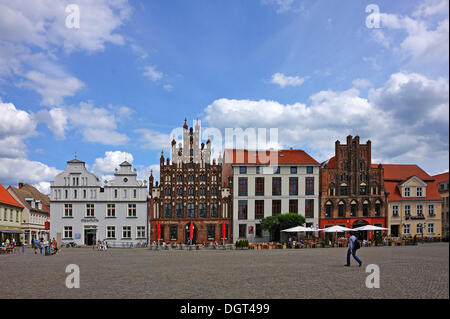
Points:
[[47, 225], [158, 231], [224, 229], [250, 229]]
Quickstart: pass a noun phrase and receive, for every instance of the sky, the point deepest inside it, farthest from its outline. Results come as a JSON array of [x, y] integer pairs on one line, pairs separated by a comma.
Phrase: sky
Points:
[[114, 86]]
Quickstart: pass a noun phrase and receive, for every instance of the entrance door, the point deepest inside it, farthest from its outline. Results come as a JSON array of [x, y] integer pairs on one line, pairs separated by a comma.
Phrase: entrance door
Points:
[[394, 230], [187, 233], [90, 236]]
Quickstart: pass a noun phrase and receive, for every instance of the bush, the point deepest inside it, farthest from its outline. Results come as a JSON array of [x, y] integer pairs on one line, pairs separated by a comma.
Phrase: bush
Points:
[[241, 243]]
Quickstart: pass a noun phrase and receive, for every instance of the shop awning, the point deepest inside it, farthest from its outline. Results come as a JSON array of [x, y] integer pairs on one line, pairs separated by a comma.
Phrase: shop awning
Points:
[[11, 231]]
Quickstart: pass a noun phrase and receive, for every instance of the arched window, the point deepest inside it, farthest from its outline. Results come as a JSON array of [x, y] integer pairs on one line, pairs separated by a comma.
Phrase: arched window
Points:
[[329, 210], [353, 208], [366, 208], [341, 209]]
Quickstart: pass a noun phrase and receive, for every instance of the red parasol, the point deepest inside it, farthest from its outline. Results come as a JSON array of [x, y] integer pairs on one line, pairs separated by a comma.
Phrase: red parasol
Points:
[[191, 231], [224, 235], [158, 231]]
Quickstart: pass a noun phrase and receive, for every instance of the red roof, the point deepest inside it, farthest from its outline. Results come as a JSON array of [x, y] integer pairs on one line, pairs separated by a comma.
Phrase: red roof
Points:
[[439, 178], [396, 174], [281, 157], [401, 172], [6, 198]]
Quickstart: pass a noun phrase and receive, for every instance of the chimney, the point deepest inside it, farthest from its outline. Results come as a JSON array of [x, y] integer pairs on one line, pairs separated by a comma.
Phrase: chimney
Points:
[[20, 185]]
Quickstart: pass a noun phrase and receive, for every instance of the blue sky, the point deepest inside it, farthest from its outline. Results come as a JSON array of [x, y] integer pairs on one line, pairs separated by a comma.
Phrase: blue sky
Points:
[[116, 87]]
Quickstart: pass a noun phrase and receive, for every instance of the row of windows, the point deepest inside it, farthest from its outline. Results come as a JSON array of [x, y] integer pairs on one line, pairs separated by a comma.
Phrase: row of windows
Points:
[[75, 181], [363, 190], [202, 211], [419, 229], [257, 230], [341, 211], [92, 193], [111, 232], [190, 191], [7, 214], [276, 208], [276, 169], [276, 186], [211, 231], [419, 210], [90, 210]]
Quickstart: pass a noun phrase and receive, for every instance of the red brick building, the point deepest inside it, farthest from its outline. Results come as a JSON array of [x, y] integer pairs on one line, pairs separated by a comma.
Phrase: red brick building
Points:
[[352, 188], [190, 192]]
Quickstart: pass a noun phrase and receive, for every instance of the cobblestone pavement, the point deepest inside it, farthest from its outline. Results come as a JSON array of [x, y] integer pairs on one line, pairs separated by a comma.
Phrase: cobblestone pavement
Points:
[[405, 272]]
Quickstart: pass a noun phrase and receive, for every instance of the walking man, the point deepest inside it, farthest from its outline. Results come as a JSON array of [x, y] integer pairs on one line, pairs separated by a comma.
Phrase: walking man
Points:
[[353, 246]]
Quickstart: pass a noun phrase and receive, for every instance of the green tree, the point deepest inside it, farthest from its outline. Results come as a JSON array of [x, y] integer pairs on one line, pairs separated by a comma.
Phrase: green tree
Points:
[[274, 224]]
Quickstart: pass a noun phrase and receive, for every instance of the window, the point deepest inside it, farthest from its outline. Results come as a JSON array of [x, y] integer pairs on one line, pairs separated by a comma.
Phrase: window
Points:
[[179, 210], [419, 210], [407, 192], [276, 186], [276, 207], [213, 191], [243, 189], [242, 230], [406, 229], [309, 208], [293, 169], [341, 209], [293, 186], [343, 190], [242, 209], [66, 194], [111, 232], [430, 228], [190, 178], [259, 186], [173, 232], [395, 210], [259, 209], [276, 170], [366, 209], [84, 193], [67, 232], [309, 184], [328, 210], [191, 152], [179, 178], [407, 210], [134, 193], [377, 209], [214, 210], [75, 193], [168, 211], [211, 232], [140, 232], [126, 232], [190, 191], [309, 170], [431, 210], [191, 210], [202, 208], [258, 230], [67, 210], [419, 192], [362, 189], [115, 193], [202, 191], [259, 170], [131, 210], [243, 170], [180, 191], [111, 210], [293, 206], [124, 193], [331, 191], [168, 191], [89, 210], [419, 229]]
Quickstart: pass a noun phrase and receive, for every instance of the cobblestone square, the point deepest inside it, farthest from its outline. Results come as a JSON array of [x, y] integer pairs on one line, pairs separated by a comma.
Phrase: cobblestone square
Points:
[[420, 271]]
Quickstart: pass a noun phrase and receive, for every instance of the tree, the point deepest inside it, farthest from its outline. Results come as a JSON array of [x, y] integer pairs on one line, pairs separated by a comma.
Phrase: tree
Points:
[[274, 224]]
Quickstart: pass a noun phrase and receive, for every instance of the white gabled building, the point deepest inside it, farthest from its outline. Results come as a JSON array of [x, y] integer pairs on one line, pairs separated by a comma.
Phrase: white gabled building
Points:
[[286, 181], [83, 211]]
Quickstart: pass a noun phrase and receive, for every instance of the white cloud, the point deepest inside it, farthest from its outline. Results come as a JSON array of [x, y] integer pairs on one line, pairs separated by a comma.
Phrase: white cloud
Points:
[[361, 83], [283, 80], [152, 74], [332, 115], [13, 170], [431, 7], [43, 187], [168, 87], [105, 166], [56, 120], [285, 5]]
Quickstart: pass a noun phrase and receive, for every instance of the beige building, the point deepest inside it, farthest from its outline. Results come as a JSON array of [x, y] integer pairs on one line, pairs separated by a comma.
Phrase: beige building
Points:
[[443, 188], [414, 203], [10, 217], [35, 214]]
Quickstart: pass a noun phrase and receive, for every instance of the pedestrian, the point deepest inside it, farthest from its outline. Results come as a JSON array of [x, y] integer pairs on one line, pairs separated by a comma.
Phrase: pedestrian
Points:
[[41, 246], [35, 244], [353, 246]]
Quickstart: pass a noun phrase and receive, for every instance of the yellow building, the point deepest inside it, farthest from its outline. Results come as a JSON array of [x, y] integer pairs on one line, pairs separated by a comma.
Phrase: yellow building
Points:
[[443, 186], [414, 203], [10, 218]]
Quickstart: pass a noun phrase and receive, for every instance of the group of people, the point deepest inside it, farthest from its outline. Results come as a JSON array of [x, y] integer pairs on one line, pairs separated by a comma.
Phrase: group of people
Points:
[[294, 243], [10, 245], [45, 246], [102, 245]]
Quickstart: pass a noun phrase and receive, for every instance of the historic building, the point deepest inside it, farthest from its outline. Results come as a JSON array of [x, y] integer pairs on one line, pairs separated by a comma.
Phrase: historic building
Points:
[[268, 184], [190, 197], [83, 211], [352, 188], [443, 187], [415, 204], [36, 212], [10, 217]]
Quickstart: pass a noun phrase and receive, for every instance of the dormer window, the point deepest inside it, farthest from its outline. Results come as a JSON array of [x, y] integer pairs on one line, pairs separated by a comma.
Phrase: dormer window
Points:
[[407, 192], [419, 192]]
